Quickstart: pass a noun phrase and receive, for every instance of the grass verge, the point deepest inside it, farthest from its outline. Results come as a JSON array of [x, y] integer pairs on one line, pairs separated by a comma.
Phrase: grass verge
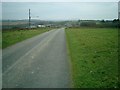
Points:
[[11, 37], [94, 57]]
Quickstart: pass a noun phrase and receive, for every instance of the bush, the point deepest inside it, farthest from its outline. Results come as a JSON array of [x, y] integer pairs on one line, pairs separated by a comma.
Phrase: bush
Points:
[[88, 24]]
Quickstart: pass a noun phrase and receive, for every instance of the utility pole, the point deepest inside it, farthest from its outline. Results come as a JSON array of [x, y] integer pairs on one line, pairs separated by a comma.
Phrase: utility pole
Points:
[[8, 24], [29, 19], [119, 14], [119, 10]]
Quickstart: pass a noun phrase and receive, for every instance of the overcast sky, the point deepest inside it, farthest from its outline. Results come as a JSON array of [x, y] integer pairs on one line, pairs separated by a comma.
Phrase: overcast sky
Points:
[[60, 0], [60, 11]]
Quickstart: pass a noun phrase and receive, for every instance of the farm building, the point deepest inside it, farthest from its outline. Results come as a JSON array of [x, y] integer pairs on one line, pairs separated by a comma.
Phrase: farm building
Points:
[[41, 26]]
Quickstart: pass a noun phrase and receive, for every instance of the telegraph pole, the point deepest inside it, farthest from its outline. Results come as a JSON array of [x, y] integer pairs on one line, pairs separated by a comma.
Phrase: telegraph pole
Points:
[[119, 10], [29, 19], [8, 24]]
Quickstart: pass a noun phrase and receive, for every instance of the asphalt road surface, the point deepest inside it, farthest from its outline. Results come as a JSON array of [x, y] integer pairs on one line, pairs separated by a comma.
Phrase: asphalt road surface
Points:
[[38, 62]]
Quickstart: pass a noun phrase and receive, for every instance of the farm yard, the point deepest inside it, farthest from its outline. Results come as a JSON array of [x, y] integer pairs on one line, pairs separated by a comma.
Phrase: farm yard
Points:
[[94, 57]]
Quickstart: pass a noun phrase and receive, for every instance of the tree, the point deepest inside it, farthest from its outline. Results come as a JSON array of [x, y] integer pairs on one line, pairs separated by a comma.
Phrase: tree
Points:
[[103, 21], [116, 20]]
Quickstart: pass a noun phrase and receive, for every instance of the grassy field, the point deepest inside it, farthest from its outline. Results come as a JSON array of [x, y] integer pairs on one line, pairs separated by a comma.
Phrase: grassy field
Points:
[[94, 57], [11, 37]]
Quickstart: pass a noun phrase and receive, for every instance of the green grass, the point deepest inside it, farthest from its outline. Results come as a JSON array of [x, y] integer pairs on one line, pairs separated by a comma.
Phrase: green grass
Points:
[[11, 37], [94, 57]]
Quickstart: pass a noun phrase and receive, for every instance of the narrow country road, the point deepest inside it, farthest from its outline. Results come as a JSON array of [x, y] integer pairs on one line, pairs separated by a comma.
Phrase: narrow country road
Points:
[[38, 62]]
